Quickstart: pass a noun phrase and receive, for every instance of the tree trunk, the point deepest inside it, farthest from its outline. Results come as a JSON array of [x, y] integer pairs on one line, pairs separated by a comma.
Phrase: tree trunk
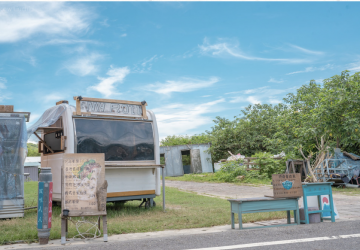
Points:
[[337, 142]]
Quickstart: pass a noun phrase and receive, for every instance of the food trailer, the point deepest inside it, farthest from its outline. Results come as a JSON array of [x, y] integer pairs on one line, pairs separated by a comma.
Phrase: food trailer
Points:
[[124, 131], [13, 150]]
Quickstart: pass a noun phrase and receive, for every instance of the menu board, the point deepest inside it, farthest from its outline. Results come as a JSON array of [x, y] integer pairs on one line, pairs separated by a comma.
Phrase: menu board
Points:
[[83, 175]]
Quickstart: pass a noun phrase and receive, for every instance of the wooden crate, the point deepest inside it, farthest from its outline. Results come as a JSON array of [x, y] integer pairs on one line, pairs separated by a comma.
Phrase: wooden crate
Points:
[[287, 185]]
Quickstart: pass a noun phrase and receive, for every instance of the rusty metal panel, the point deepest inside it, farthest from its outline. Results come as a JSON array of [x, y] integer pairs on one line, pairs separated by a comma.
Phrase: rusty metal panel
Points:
[[33, 171], [195, 160]]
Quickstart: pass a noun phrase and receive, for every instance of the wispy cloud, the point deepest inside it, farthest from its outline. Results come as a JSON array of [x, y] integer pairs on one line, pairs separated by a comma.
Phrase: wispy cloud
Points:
[[84, 65], [106, 85], [260, 95], [275, 81], [105, 23], [145, 65], [307, 51], [206, 95], [123, 35], [53, 97], [59, 41], [354, 66], [183, 118], [3, 94], [46, 18], [183, 85], [223, 48], [149, 61], [3, 81], [311, 69], [32, 61]]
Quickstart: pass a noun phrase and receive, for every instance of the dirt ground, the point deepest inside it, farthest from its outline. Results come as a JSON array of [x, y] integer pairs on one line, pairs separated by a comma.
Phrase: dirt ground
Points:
[[347, 206]]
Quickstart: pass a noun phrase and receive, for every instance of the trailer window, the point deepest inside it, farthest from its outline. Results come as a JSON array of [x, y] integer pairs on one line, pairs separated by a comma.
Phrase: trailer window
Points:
[[119, 140]]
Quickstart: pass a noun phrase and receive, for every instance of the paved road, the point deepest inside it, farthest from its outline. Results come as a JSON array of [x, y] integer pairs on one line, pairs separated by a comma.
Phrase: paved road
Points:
[[319, 236]]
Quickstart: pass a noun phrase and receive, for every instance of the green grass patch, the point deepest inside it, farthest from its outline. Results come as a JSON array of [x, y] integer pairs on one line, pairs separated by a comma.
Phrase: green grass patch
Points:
[[346, 191], [184, 210], [212, 177]]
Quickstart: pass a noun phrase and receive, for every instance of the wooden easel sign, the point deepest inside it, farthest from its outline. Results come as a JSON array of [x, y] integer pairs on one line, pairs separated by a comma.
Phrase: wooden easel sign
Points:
[[83, 188]]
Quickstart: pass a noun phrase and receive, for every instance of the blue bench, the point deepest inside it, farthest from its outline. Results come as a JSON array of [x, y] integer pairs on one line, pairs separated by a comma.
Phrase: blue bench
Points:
[[264, 204]]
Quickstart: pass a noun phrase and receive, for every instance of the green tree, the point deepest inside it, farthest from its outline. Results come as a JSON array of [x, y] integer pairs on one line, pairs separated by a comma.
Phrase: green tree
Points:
[[32, 150], [173, 140]]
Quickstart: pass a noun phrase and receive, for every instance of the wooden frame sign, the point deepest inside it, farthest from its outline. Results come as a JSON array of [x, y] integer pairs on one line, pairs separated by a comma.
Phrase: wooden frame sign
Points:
[[287, 185], [109, 107], [83, 185]]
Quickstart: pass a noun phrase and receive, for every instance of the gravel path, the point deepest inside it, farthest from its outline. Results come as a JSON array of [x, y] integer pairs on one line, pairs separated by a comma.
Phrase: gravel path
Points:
[[347, 206]]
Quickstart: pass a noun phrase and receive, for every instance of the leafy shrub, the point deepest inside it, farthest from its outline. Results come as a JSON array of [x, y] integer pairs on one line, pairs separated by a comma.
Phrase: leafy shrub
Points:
[[269, 165], [230, 170]]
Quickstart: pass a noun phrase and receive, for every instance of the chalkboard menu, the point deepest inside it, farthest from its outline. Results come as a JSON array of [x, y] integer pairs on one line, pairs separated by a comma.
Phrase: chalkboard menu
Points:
[[83, 178]]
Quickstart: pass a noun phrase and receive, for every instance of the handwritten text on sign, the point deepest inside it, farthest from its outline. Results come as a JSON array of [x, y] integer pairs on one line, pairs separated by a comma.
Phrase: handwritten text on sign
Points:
[[107, 108]]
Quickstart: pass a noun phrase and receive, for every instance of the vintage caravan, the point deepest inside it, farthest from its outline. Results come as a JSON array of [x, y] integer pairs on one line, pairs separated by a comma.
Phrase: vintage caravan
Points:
[[124, 131]]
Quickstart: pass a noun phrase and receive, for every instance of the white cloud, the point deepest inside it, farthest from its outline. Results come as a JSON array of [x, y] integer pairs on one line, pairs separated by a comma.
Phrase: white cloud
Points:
[[311, 69], [177, 119], [46, 18], [3, 95], [53, 97], [206, 95], [154, 58], [2, 82], [145, 65], [123, 35], [107, 84], [260, 95], [183, 85], [84, 65], [252, 100], [58, 41], [275, 81], [354, 66], [307, 51], [233, 50]]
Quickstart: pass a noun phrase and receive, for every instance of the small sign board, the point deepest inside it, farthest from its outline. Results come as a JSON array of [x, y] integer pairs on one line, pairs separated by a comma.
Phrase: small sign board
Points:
[[287, 185], [108, 107], [83, 175]]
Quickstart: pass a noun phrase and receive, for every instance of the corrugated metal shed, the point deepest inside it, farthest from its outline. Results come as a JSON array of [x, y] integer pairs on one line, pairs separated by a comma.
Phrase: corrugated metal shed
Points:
[[31, 166], [200, 159]]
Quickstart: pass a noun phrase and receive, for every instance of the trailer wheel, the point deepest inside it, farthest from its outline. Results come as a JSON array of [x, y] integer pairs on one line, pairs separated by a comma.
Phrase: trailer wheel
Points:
[[147, 204]]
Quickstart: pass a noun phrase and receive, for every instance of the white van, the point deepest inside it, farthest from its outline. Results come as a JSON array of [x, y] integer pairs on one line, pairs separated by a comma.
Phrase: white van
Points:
[[124, 131]]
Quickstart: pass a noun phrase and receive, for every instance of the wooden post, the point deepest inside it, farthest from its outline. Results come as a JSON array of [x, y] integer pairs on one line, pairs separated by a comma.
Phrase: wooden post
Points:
[[63, 231], [104, 228], [163, 186]]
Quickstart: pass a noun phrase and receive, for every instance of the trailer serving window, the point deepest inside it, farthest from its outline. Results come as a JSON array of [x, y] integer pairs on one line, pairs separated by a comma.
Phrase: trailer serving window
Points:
[[120, 140]]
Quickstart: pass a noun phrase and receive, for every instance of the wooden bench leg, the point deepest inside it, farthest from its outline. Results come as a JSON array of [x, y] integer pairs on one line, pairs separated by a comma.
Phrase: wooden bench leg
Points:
[[288, 217], [297, 214], [232, 221]]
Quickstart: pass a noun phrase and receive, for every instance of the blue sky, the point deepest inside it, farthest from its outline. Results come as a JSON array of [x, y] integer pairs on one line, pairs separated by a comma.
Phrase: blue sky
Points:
[[191, 61]]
